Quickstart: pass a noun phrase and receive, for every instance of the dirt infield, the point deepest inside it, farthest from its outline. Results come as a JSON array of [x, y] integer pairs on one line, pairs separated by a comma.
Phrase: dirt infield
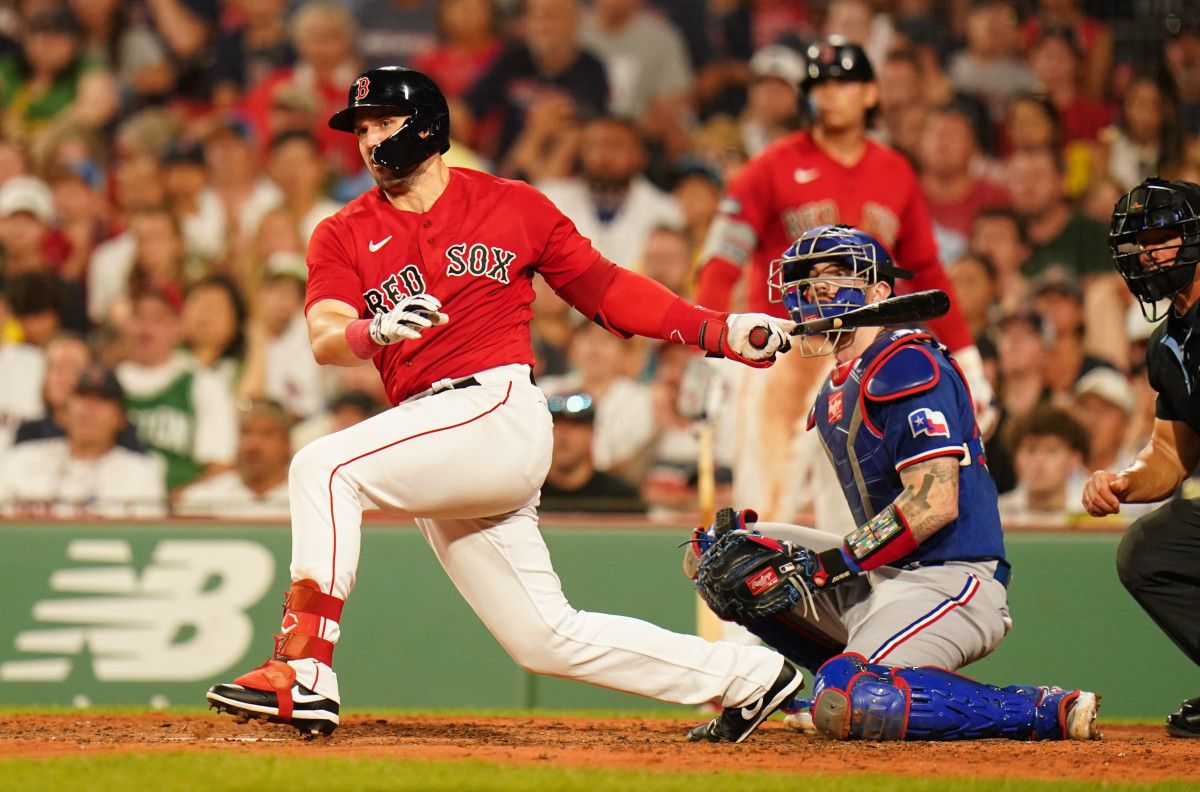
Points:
[[1128, 753]]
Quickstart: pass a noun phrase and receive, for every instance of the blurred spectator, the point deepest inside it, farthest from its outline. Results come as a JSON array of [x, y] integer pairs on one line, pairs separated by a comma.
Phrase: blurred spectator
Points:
[[1145, 136], [625, 425], [22, 369], [1094, 38], [548, 145], [350, 407], [296, 168], [1181, 68], [183, 412], [553, 324], [324, 35], [772, 98], [1097, 203], [150, 254], [27, 226], [279, 361], [85, 214], [214, 320], [1049, 447], [257, 487], [1021, 347], [1031, 121], [1058, 299], [1057, 60], [974, 279], [667, 258], [235, 177], [1104, 402], [645, 58], [611, 202], [548, 61], [393, 32], [902, 98], [199, 211], [697, 191], [1058, 234], [52, 79], [990, 66], [66, 357], [718, 144], [573, 483], [85, 473], [185, 29], [469, 33], [42, 304], [246, 54], [999, 235], [950, 182]]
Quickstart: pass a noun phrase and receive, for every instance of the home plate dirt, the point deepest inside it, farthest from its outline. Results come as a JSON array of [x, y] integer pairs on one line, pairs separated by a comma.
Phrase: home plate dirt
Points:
[[1127, 753]]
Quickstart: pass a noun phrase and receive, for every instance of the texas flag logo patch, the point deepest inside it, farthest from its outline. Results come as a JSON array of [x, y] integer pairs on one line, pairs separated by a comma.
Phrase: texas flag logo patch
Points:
[[928, 422]]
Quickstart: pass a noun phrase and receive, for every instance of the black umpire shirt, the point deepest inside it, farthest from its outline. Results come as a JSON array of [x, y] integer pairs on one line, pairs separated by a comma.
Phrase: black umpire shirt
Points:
[[1173, 365]]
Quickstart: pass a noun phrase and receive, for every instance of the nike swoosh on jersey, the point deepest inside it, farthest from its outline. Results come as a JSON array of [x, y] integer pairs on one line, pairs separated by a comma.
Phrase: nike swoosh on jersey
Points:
[[374, 246], [805, 175], [750, 713]]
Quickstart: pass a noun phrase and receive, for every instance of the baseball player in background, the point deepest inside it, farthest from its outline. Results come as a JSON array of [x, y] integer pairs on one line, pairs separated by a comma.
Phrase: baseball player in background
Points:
[[430, 276], [831, 173], [919, 589], [1155, 241]]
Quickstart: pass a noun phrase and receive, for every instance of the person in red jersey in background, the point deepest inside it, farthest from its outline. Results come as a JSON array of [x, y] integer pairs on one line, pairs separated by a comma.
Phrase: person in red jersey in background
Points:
[[829, 174], [431, 277]]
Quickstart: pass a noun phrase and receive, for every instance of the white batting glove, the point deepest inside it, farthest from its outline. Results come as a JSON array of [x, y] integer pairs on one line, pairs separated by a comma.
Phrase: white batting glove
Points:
[[407, 319], [758, 336], [984, 400]]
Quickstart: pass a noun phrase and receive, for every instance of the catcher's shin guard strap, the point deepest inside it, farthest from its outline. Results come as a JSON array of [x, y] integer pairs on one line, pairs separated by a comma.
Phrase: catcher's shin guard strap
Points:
[[305, 597], [297, 647]]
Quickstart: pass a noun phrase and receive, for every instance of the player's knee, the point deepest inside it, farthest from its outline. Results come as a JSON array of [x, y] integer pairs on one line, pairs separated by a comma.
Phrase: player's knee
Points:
[[540, 648], [311, 463], [855, 700]]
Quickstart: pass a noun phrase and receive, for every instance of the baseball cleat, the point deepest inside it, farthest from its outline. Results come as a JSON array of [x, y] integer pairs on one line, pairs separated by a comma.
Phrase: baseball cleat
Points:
[[271, 692], [1185, 722], [1081, 717], [735, 724]]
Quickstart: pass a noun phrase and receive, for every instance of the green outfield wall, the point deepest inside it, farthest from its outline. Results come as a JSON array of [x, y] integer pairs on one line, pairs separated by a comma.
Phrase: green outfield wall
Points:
[[107, 614]]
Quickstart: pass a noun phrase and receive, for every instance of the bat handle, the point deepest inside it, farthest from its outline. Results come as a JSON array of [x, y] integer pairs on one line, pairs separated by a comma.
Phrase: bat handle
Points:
[[759, 337]]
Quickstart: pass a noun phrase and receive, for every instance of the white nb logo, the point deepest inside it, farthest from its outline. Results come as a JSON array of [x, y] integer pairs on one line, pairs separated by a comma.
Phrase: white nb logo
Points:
[[374, 246], [183, 618], [805, 175]]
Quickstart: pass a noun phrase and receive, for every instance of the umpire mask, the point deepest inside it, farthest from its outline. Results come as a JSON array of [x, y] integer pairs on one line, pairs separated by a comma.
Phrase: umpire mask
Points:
[[1155, 241]]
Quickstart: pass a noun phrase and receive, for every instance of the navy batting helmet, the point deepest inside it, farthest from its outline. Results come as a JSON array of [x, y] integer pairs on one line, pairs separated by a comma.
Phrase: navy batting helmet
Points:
[[409, 93], [836, 59], [1155, 240]]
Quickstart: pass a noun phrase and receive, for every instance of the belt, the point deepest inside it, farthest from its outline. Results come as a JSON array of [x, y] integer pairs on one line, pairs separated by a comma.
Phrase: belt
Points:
[[444, 385], [1002, 575]]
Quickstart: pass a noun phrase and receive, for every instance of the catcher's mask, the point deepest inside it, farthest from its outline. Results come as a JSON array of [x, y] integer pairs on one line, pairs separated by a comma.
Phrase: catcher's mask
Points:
[[861, 262], [409, 93], [1155, 241]]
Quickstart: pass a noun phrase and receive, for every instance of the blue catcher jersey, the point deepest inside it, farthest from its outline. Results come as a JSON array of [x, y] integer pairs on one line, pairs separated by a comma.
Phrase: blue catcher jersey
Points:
[[903, 402]]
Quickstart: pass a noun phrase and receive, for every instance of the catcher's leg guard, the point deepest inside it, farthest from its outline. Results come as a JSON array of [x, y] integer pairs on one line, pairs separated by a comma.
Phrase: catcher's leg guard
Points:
[[855, 699]]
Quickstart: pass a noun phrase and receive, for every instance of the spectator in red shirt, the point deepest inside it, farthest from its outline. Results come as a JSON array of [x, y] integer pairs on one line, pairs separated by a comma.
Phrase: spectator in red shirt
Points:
[[1057, 60], [469, 41]]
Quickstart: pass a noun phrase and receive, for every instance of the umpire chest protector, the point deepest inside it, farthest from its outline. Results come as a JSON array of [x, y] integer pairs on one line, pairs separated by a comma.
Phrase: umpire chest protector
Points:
[[902, 402]]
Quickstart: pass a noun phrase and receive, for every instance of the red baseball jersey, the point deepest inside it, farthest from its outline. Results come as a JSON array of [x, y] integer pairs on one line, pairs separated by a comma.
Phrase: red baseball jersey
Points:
[[792, 186], [476, 250]]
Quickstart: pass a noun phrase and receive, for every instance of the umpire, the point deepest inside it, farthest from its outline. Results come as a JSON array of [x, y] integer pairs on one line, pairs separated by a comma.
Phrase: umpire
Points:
[[1155, 241]]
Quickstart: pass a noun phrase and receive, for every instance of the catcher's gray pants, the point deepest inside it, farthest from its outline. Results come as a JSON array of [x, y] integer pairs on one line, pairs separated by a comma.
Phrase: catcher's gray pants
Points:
[[945, 616]]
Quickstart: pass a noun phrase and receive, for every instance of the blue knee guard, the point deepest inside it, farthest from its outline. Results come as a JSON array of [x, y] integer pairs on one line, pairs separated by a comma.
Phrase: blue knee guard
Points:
[[855, 699]]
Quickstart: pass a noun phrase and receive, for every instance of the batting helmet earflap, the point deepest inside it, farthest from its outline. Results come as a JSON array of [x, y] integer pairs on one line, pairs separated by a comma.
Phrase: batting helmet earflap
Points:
[[410, 93], [836, 58]]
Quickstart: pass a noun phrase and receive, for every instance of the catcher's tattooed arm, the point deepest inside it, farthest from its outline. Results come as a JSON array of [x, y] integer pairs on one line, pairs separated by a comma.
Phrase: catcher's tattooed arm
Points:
[[930, 498]]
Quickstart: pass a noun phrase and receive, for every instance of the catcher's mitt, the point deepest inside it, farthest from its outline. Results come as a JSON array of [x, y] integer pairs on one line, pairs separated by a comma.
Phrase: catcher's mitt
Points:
[[746, 576]]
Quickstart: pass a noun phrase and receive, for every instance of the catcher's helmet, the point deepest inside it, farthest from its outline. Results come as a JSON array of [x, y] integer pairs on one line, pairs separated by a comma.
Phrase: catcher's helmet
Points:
[[410, 93], [836, 58], [864, 259], [1154, 217]]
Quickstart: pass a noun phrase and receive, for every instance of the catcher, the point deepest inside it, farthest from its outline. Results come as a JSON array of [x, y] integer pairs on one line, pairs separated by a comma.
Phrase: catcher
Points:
[[890, 610]]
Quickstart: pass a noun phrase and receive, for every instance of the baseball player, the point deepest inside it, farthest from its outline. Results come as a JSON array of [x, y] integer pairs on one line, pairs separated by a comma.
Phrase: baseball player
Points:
[[831, 173], [918, 589], [429, 276], [1155, 241]]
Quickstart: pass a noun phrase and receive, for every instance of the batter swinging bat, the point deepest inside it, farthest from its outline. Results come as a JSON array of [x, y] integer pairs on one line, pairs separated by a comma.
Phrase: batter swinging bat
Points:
[[907, 308]]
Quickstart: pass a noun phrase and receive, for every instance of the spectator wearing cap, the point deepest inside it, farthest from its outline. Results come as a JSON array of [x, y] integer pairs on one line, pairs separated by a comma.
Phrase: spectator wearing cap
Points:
[[279, 361], [948, 164], [1104, 402], [1049, 447], [27, 217], [51, 79], [248, 52], [611, 202], [772, 98], [85, 473], [182, 411], [1058, 299], [573, 484], [645, 58], [256, 488]]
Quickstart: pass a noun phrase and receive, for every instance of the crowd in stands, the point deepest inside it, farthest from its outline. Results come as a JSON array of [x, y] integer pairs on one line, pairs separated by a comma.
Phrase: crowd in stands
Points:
[[164, 162]]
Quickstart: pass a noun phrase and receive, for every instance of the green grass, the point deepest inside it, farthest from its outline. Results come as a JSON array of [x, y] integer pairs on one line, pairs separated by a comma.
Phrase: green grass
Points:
[[261, 773]]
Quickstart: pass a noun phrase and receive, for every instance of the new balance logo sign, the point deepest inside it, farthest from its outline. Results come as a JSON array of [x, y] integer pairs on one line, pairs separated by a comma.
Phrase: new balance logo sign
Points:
[[182, 619]]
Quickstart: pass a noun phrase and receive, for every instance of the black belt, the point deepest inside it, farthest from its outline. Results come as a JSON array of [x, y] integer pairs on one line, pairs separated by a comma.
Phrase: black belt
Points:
[[1002, 575], [441, 386]]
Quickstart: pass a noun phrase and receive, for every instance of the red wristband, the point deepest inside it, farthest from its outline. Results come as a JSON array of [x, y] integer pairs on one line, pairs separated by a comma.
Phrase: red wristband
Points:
[[881, 540], [358, 338]]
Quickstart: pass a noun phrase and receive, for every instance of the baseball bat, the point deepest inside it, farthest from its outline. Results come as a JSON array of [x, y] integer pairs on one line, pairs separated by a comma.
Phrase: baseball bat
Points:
[[915, 307]]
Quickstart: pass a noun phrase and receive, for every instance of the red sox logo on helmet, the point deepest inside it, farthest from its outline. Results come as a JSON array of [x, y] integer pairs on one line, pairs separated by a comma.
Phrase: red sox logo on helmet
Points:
[[361, 86]]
